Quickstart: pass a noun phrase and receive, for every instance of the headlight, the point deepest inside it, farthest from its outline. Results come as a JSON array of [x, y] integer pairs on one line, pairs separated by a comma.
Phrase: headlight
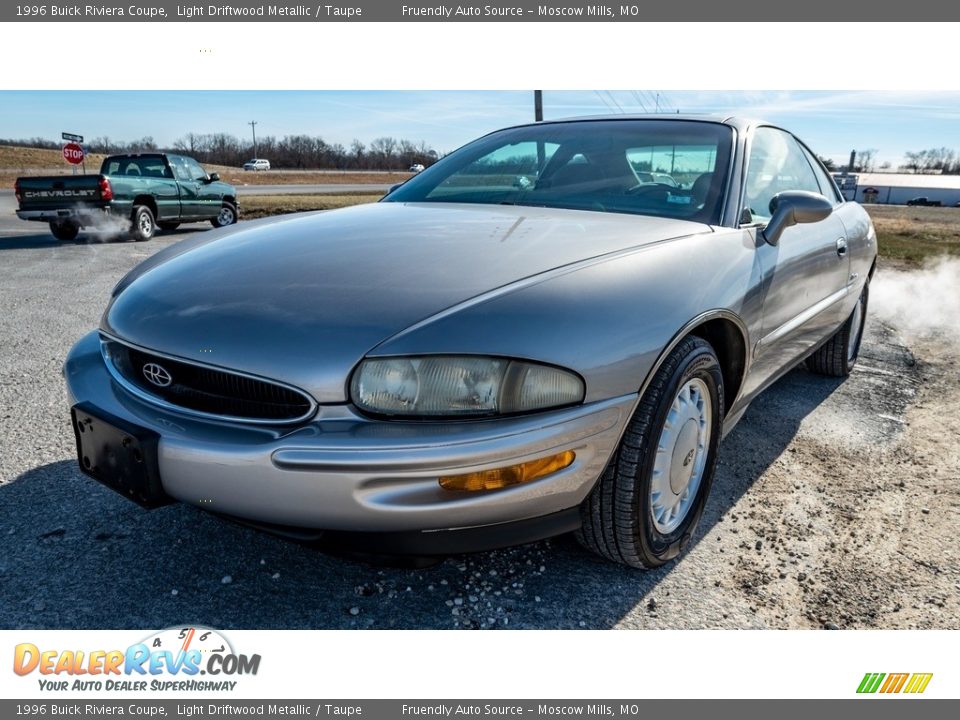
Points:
[[461, 386]]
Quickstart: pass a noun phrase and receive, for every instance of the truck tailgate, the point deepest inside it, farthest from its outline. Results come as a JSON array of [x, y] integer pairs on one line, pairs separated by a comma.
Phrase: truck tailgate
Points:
[[43, 193]]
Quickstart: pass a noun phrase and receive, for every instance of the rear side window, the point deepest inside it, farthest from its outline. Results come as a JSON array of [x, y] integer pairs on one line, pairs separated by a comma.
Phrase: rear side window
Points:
[[153, 167], [776, 164], [828, 188]]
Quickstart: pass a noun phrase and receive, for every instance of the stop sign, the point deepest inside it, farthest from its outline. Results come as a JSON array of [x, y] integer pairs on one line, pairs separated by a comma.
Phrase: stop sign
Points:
[[73, 153]]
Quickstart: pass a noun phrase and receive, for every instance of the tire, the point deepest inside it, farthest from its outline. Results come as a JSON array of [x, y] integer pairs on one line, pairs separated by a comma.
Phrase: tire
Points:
[[142, 225], [168, 226], [839, 354], [65, 231], [617, 517], [226, 216]]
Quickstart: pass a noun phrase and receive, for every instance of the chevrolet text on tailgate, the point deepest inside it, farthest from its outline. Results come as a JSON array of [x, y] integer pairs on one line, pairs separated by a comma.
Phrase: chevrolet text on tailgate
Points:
[[133, 195], [548, 330]]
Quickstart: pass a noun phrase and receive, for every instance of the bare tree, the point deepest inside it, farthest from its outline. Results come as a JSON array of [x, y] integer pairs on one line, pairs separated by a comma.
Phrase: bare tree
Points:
[[291, 151], [866, 160]]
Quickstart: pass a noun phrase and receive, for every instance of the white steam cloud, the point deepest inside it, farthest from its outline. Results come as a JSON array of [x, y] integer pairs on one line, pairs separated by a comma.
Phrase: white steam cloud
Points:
[[921, 302], [105, 224]]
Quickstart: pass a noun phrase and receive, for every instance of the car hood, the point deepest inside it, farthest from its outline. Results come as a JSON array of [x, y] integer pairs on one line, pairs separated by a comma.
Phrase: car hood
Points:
[[303, 299]]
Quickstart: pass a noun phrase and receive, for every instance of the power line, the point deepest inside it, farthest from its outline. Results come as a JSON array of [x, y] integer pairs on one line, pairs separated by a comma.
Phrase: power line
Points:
[[605, 103], [639, 100], [614, 100]]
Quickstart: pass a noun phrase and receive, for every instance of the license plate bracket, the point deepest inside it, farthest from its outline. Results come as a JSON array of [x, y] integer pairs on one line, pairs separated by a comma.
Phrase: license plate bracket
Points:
[[119, 454]]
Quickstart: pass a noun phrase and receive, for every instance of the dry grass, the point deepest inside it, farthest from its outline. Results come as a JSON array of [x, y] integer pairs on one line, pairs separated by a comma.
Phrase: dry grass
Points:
[[16, 161], [913, 234], [256, 206], [307, 177]]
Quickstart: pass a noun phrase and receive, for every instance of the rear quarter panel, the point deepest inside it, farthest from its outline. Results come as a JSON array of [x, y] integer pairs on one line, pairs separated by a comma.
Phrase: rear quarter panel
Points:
[[862, 246], [165, 193]]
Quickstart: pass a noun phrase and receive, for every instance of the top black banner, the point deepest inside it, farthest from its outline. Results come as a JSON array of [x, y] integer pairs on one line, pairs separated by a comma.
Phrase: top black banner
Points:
[[739, 11]]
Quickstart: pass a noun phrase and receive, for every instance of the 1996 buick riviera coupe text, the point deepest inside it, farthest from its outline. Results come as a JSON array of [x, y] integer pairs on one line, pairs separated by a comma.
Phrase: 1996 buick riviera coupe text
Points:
[[548, 330]]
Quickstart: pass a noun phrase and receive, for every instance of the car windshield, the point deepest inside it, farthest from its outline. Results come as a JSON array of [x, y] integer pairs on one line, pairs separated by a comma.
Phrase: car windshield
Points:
[[667, 168]]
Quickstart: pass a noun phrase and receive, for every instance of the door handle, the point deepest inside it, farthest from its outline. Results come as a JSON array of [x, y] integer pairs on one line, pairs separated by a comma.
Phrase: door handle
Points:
[[841, 247]]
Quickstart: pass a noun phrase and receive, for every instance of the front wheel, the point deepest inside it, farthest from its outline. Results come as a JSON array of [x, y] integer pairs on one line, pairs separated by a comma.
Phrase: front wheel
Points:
[[839, 354], [65, 231], [142, 225], [226, 216], [646, 505]]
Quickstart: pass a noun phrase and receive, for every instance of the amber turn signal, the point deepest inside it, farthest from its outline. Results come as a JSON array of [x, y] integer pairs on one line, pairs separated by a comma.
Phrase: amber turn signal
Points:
[[511, 475]]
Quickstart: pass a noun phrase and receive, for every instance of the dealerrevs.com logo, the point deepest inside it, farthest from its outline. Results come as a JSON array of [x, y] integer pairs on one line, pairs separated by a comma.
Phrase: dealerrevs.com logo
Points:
[[173, 659], [892, 683]]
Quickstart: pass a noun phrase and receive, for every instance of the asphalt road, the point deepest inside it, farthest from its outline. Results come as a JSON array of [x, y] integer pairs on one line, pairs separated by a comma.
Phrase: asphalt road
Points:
[[310, 189], [790, 535]]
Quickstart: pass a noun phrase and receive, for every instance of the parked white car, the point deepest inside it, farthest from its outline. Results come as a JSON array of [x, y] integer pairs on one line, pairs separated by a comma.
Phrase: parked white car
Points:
[[257, 164], [417, 168]]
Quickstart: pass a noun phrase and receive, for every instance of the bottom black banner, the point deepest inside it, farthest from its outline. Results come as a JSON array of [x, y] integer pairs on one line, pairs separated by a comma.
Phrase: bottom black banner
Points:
[[874, 708]]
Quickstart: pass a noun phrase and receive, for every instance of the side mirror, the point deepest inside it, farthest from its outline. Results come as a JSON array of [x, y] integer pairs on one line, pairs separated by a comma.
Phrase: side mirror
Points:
[[794, 207], [214, 177]]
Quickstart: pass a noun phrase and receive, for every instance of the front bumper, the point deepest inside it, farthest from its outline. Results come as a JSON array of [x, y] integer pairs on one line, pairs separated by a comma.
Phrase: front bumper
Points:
[[347, 473]]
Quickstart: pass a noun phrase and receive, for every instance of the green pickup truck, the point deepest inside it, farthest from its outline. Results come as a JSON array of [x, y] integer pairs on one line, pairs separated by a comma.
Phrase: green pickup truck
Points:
[[133, 195]]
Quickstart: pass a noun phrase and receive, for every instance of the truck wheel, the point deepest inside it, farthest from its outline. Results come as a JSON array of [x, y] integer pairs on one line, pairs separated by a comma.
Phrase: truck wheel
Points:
[[226, 216], [168, 226], [839, 354], [65, 231], [142, 226], [646, 505]]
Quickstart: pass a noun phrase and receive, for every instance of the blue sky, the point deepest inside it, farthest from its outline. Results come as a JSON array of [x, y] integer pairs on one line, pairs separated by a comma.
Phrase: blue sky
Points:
[[832, 123]]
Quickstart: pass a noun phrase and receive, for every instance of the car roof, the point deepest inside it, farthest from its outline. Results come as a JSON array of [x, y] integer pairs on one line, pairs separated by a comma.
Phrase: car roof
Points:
[[738, 123]]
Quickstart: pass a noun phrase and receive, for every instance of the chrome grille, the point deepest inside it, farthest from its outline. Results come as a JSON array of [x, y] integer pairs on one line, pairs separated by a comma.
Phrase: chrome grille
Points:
[[206, 390]]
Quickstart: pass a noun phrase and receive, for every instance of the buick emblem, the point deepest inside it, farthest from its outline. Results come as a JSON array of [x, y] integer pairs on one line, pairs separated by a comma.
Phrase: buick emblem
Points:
[[157, 374]]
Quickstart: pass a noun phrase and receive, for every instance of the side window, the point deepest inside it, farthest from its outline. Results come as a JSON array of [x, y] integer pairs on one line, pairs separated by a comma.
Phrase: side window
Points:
[[179, 168], [776, 164], [194, 170], [828, 187]]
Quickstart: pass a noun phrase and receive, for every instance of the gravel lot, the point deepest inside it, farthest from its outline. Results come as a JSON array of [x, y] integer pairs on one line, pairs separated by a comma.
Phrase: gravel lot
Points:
[[836, 506]]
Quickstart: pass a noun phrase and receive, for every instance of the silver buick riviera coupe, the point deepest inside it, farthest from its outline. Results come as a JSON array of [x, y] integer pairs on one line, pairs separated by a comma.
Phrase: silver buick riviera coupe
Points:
[[549, 330]]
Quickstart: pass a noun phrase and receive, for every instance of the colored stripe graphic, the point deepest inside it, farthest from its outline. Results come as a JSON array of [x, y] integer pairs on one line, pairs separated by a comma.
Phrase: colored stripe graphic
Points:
[[894, 683], [918, 682], [870, 683]]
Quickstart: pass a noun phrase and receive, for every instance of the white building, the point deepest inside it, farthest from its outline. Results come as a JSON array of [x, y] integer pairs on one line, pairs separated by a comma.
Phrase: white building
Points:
[[898, 189]]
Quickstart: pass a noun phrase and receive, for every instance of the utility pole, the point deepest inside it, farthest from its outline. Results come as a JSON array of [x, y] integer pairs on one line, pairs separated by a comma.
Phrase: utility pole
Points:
[[538, 116], [253, 126]]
